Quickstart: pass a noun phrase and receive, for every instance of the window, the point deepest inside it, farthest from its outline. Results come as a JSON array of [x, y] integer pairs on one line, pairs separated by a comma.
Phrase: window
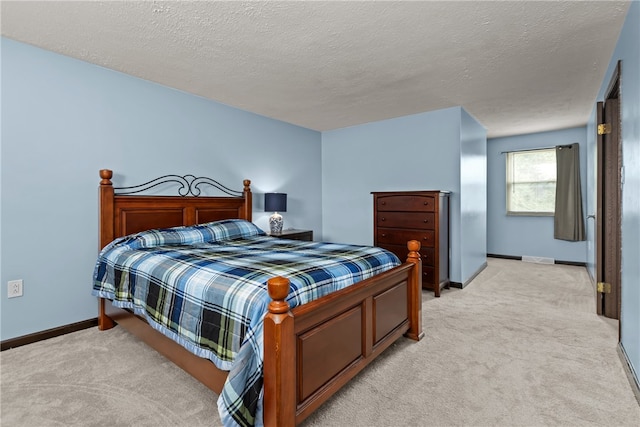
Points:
[[531, 182]]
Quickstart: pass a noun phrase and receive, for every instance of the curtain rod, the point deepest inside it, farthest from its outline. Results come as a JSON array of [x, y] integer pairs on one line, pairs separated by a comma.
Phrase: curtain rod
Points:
[[536, 149]]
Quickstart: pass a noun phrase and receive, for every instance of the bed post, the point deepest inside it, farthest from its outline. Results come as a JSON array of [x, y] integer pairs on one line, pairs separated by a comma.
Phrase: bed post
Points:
[[279, 358], [106, 234], [106, 208], [248, 204], [415, 291]]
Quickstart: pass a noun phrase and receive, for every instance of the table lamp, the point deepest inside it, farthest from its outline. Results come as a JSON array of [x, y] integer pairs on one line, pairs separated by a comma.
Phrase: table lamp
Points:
[[275, 202]]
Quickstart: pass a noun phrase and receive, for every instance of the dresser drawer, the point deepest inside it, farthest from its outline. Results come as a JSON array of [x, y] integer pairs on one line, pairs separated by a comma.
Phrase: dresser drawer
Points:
[[401, 237], [414, 203], [401, 251], [428, 276], [412, 220], [427, 256]]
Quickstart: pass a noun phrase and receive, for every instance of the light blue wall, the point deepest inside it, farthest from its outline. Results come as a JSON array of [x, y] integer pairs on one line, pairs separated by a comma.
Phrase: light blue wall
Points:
[[628, 51], [417, 152], [64, 119], [388, 155], [473, 191], [529, 235]]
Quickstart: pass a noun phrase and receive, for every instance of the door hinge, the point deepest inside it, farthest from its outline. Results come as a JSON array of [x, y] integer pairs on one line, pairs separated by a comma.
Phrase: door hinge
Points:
[[604, 288], [604, 129]]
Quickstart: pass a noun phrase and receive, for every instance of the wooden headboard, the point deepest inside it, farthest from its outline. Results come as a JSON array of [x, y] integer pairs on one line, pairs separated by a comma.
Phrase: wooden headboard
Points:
[[123, 211]]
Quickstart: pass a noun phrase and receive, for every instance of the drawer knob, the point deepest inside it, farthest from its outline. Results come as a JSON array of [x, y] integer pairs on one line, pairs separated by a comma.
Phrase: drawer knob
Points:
[[426, 203], [426, 220], [384, 235], [384, 219], [383, 203]]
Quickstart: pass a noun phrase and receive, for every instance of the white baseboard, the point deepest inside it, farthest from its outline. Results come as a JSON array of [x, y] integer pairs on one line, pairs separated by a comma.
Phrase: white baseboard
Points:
[[538, 259]]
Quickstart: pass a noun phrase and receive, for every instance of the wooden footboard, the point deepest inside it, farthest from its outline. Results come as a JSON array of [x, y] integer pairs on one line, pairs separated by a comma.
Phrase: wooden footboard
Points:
[[310, 352]]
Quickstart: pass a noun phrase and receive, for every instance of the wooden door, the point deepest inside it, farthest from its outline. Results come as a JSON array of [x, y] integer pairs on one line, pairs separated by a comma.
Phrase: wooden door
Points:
[[609, 198]]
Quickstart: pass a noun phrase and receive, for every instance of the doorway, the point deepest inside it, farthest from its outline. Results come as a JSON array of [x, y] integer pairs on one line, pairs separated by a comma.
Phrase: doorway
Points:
[[609, 201]]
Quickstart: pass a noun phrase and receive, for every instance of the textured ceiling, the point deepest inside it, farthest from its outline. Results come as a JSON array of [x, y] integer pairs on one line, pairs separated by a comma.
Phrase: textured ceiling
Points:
[[517, 66]]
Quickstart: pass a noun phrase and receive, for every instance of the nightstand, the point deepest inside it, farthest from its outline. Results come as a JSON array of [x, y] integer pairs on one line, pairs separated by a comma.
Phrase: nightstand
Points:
[[295, 234]]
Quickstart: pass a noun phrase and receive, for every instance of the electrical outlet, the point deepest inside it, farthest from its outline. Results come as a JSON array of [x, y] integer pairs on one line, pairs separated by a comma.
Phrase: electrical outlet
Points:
[[14, 288]]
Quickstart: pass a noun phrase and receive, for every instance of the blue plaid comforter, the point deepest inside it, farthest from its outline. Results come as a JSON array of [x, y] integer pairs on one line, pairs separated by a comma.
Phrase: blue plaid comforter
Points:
[[205, 287]]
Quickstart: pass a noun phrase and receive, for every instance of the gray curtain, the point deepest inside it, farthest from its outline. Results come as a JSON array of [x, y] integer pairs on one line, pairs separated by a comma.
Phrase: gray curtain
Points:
[[569, 221]]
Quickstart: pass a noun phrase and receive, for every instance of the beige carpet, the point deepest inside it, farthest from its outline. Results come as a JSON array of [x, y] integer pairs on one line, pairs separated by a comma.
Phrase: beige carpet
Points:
[[519, 346]]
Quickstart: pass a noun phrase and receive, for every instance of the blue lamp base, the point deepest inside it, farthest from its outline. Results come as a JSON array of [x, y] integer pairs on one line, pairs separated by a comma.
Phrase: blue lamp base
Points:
[[275, 223]]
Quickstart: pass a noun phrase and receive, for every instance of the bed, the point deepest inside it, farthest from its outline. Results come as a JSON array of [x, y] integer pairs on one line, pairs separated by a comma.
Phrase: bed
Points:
[[309, 350]]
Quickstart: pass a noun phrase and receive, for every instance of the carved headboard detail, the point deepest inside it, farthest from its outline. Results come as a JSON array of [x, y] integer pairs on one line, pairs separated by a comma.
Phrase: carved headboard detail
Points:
[[124, 211]]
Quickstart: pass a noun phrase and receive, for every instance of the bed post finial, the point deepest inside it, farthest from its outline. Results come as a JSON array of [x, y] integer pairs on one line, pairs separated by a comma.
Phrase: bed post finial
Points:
[[106, 175], [278, 288], [279, 352], [414, 247], [415, 288]]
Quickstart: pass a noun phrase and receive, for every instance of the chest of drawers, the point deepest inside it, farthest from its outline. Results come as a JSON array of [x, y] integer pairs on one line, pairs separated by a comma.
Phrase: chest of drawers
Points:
[[400, 216]]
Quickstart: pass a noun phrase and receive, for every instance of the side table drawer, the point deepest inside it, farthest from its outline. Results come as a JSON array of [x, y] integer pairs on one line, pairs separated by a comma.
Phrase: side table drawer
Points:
[[294, 234]]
